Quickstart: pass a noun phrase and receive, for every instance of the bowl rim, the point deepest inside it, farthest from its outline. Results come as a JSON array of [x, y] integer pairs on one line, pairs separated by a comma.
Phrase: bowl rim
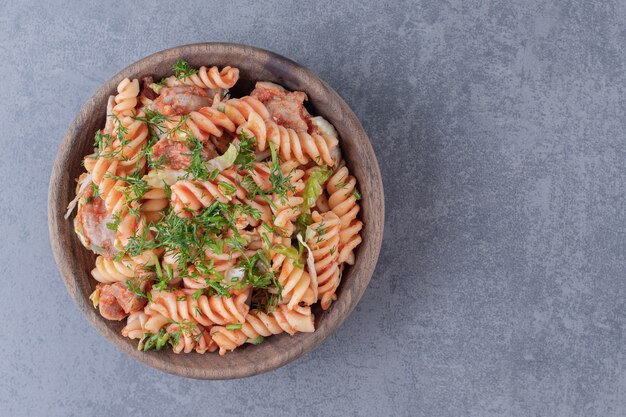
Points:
[[60, 247]]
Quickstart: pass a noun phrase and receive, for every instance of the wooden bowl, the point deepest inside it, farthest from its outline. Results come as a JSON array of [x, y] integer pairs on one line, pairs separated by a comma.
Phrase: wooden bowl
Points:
[[75, 262]]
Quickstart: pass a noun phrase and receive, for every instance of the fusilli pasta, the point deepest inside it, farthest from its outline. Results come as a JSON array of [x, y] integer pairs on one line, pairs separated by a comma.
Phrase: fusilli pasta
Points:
[[217, 221], [260, 324]]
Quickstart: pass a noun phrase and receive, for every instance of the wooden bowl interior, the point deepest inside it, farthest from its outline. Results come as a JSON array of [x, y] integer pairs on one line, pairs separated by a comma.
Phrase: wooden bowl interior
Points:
[[75, 262]]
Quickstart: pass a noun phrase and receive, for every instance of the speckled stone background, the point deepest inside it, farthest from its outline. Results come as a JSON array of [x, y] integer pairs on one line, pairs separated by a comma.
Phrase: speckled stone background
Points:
[[499, 128]]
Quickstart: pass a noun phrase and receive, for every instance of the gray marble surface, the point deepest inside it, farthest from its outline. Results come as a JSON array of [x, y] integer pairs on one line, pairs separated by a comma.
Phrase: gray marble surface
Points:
[[499, 129]]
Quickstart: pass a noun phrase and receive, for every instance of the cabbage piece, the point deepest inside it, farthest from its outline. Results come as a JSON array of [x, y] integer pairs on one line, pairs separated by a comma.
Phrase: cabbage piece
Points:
[[95, 298], [84, 182], [290, 252], [156, 87], [224, 161], [234, 276], [313, 187], [324, 126], [158, 177]]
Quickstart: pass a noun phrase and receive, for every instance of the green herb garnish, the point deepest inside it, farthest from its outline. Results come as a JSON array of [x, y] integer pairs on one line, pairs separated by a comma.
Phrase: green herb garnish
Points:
[[246, 157], [156, 341], [182, 70]]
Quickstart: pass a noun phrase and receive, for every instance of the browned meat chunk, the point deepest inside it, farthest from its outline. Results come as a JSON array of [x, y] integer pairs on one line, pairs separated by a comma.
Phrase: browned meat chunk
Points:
[[286, 107], [116, 301], [147, 92], [178, 155], [180, 100], [91, 224]]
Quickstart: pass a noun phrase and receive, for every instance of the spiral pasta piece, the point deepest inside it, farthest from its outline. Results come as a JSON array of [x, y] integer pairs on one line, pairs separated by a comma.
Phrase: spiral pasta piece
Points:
[[190, 196], [286, 211], [296, 178], [222, 116], [213, 122], [117, 196], [102, 171], [213, 78], [120, 160], [181, 129], [126, 98], [135, 137], [120, 202], [247, 107], [299, 319], [270, 238], [324, 243], [180, 306], [301, 145], [148, 257], [296, 284], [223, 263], [291, 144], [173, 305], [292, 169], [109, 270], [210, 310], [191, 337], [139, 324], [263, 209], [124, 153], [186, 337], [194, 195], [260, 174], [280, 211], [153, 202], [343, 202]]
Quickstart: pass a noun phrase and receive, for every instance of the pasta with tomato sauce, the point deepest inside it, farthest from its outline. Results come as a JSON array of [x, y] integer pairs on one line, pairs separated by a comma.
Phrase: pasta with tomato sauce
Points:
[[217, 221]]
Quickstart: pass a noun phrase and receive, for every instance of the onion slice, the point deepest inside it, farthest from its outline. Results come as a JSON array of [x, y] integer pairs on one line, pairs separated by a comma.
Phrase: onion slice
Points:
[[84, 183], [310, 262]]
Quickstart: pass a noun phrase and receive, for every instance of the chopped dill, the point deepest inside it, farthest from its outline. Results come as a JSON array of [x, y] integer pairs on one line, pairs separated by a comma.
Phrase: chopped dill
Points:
[[246, 157], [182, 70]]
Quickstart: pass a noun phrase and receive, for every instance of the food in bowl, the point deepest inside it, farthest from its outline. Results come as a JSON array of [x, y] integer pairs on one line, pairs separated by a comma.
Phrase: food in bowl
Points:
[[217, 221]]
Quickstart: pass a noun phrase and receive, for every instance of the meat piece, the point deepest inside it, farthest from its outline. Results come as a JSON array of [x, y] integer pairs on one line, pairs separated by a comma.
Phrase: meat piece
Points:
[[147, 94], [178, 155], [91, 226], [110, 309], [286, 107], [116, 301], [180, 100]]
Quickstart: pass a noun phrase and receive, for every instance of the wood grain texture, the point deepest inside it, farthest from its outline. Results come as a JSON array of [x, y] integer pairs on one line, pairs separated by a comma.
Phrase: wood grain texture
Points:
[[75, 262]]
